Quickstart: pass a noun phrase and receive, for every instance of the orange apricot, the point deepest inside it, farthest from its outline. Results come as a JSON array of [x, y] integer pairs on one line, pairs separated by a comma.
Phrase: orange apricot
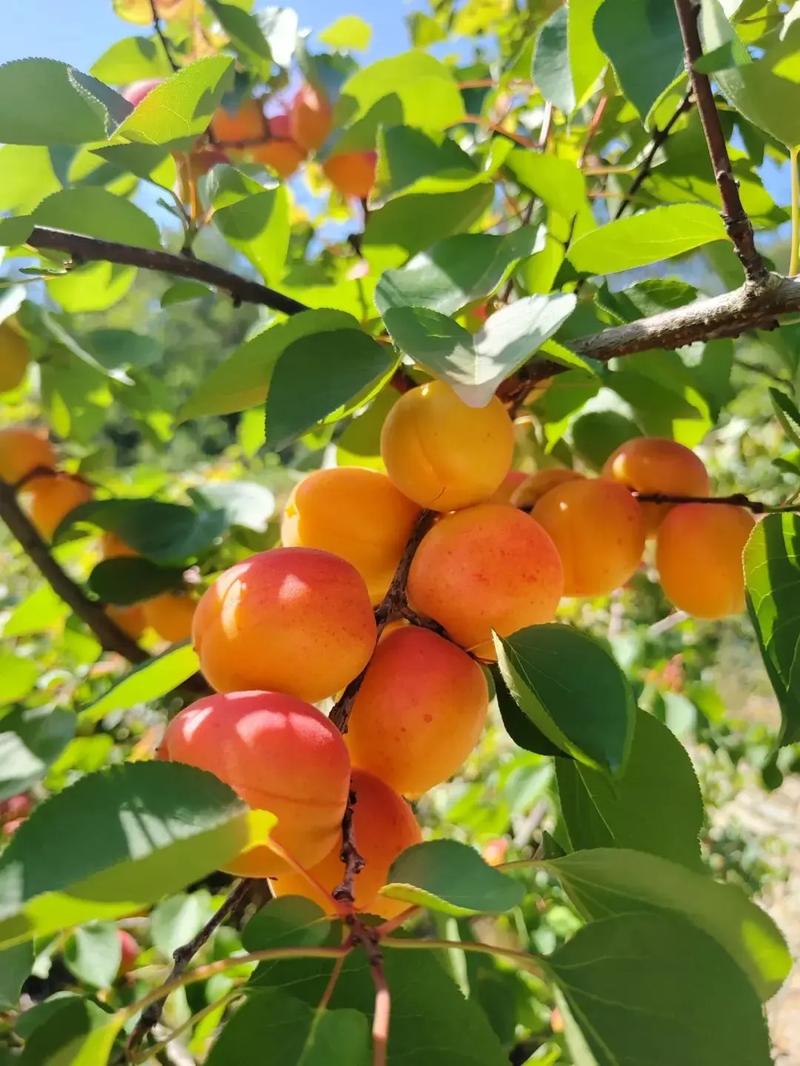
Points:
[[23, 450], [170, 614], [310, 118], [246, 124], [129, 619], [355, 513], [442, 453], [352, 173], [699, 557], [113, 546], [295, 620], [278, 754], [51, 497], [383, 826], [14, 357], [419, 712], [508, 486], [284, 157], [657, 464], [534, 487], [489, 567], [598, 529]]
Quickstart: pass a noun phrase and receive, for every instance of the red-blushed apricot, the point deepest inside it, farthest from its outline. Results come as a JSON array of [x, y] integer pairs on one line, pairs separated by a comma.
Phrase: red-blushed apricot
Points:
[[508, 486], [352, 173], [534, 487], [656, 464], [128, 951], [170, 614], [113, 546], [419, 712], [129, 619], [489, 567], [23, 450], [50, 498], [14, 357], [699, 557], [278, 126], [284, 157], [278, 754], [443, 454], [356, 514], [294, 620], [138, 90], [598, 529], [383, 827], [310, 118], [205, 156], [247, 124]]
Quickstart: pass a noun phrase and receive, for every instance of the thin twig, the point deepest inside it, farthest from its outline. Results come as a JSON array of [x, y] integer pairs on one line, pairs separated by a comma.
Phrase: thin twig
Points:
[[735, 499], [521, 958], [162, 37], [592, 128]]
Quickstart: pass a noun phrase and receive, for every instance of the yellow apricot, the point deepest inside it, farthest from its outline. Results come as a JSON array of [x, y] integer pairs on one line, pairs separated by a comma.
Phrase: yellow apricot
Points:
[[383, 826], [699, 557], [598, 529], [657, 464], [443, 454], [246, 124], [488, 567], [355, 513], [534, 487], [51, 497], [170, 614], [419, 712], [293, 620], [129, 619], [14, 357], [310, 118], [23, 450], [352, 173]]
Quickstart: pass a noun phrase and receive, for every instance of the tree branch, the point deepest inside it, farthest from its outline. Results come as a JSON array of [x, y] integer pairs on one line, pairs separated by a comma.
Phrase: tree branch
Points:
[[737, 223], [735, 499]]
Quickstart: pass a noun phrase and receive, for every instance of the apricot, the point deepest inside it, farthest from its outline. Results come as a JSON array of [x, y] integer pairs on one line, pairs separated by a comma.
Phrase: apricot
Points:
[[170, 614], [128, 952], [699, 557], [598, 529], [383, 827], [310, 118], [443, 454], [246, 124], [278, 754], [352, 173], [141, 12], [296, 620], [489, 567], [14, 357], [534, 487], [138, 90], [284, 157], [130, 620], [508, 486], [51, 497], [356, 514], [657, 464], [114, 547], [23, 450], [419, 712]]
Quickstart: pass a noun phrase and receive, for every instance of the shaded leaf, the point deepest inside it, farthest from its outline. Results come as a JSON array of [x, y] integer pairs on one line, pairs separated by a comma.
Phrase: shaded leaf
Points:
[[30, 741], [131, 579]]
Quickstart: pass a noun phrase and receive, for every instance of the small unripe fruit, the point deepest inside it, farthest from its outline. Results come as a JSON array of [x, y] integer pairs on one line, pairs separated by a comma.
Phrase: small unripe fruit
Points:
[[14, 357], [291, 620], [23, 450], [246, 124], [489, 567], [310, 118], [532, 489], [50, 498], [129, 951], [138, 90], [656, 464], [129, 619], [443, 454], [278, 754], [356, 514], [598, 529], [419, 712], [352, 173], [15, 807], [383, 827], [170, 614], [699, 558]]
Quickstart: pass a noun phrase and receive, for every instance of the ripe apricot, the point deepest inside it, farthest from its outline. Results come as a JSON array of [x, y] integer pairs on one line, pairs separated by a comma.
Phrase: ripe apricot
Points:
[[355, 513], [295, 620], [246, 124], [114, 547], [508, 486], [278, 754], [699, 557], [310, 118], [383, 827], [128, 951], [598, 529], [284, 157], [419, 712], [489, 567], [534, 487], [14, 357], [170, 614], [23, 450], [352, 173], [440, 452], [657, 464], [129, 619], [51, 497]]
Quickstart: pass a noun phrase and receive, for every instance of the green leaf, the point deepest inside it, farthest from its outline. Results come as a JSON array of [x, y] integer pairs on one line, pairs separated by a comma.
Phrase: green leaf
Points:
[[77, 1033], [647, 988], [254, 220], [446, 876], [119, 348], [517, 724], [30, 741], [153, 163], [150, 681], [245, 33], [410, 158], [412, 222], [17, 677], [454, 271], [633, 814], [165, 533], [93, 954], [131, 579], [567, 61], [46, 102], [180, 108], [646, 238], [290, 921], [318, 373], [475, 364], [558, 183], [573, 691], [597, 434], [147, 829], [787, 414], [242, 380], [178, 919], [182, 291], [607, 881], [98, 213], [772, 580], [348, 32], [244, 503], [15, 966], [642, 39], [131, 59]]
